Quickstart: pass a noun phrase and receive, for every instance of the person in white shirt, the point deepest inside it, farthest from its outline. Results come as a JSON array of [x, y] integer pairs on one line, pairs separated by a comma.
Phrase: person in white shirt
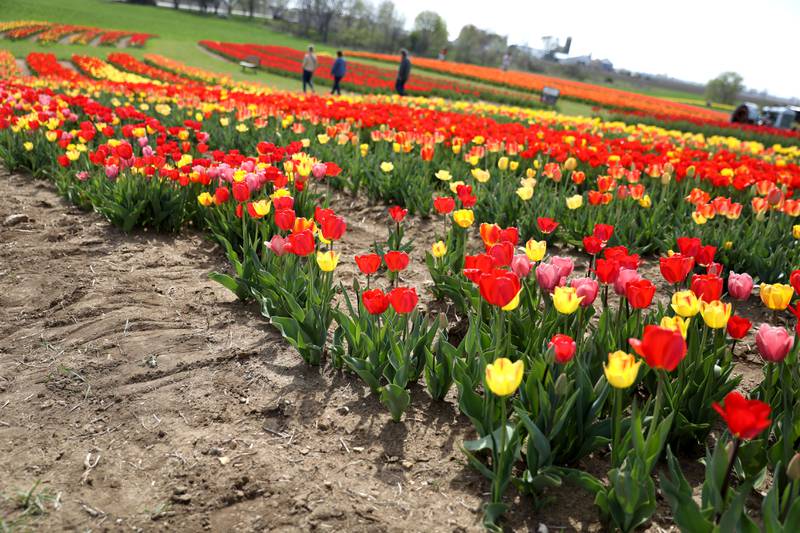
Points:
[[309, 66]]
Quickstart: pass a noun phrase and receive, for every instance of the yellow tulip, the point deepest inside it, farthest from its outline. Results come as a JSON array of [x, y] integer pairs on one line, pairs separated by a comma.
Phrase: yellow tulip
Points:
[[387, 167], [224, 121], [443, 175], [513, 165], [645, 201], [323, 139], [503, 377], [464, 217], [364, 149], [481, 175], [535, 250], [438, 249], [525, 193], [776, 296], [676, 323], [570, 164], [574, 202], [73, 155], [454, 186], [502, 163], [716, 313], [205, 199], [327, 261], [242, 128], [28, 146], [685, 304], [621, 370], [698, 218], [262, 207], [796, 231], [566, 300]]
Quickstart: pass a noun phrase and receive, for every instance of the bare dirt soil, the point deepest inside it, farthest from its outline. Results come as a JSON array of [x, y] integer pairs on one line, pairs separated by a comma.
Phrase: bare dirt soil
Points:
[[139, 395]]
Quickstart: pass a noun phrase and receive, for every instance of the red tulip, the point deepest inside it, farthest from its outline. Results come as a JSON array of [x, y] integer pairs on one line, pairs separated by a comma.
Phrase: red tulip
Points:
[[676, 267], [333, 227], [221, 195], [794, 281], [397, 213], [444, 204], [639, 293], [375, 301], [301, 243], [603, 231], [563, 347], [369, 263], [689, 246], [320, 214], [660, 347], [707, 287], [283, 202], [745, 418], [403, 299], [607, 270], [396, 261], [738, 327], [592, 245], [546, 225], [705, 256], [475, 265], [499, 287], [241, 192], [509, 235], [502, 253], [284, 219]]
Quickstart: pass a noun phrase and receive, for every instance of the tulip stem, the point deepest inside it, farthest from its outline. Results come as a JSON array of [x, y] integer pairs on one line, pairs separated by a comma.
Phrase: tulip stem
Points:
[[729, 470], [617, 421], [659, 402], [497, 491], [787, 427]]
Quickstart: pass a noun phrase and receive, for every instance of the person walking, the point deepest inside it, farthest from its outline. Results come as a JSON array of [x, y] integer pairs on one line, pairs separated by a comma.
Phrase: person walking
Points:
[[403, 72], [309, 66], [338, 71]]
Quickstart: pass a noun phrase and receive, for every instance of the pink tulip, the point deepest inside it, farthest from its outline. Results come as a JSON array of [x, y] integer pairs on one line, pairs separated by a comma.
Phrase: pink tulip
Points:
[[548, 276], [277, 245], [586, 288], [625, 276], [112, 171], [565, 265], [740, 286], [319, 170], [521, 265], [773, 343]]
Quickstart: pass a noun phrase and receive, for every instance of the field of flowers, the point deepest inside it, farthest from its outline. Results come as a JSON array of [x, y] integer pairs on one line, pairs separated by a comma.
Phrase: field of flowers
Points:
[[49, 32], [623, 344], [366, 78]]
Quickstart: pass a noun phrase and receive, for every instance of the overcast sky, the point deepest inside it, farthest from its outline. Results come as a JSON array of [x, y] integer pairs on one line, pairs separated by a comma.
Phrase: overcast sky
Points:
[[689, 39]]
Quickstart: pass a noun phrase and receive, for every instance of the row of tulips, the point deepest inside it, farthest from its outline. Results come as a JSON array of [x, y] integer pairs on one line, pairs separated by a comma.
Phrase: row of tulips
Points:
[[543, 371], [51, 32], [362, 77], [575, 90]]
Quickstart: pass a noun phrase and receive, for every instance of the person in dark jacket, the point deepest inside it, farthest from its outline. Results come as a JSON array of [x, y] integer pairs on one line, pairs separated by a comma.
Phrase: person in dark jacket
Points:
[[338, 71], [403, 72]]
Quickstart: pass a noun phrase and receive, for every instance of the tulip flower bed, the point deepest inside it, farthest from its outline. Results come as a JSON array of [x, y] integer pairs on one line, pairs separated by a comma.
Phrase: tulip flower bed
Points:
[[8, 65], [128, 63], [556, 361], [47, 66], [575, 90], [763, 134], [97, 68], [50, 32], [187, 72], [364, 78]]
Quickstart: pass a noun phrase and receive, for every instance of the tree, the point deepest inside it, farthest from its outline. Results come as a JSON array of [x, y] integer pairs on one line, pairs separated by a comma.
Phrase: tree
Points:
[[278, 8], [478, 46], [429, 34], [725, 88]]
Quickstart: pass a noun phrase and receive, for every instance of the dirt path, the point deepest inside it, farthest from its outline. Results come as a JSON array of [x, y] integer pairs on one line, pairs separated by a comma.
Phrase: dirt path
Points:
[[142, 396]]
